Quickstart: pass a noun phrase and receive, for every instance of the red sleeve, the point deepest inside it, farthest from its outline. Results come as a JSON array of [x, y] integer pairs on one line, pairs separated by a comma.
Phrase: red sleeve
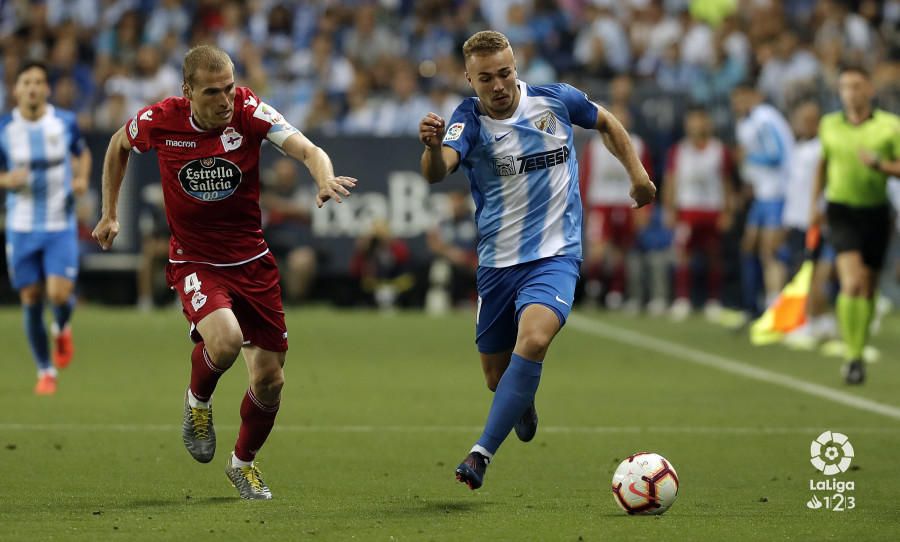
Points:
[[139, 129]]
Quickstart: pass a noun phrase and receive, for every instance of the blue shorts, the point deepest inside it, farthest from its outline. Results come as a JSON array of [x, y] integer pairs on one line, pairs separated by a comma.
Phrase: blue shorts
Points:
[[33, 256], [765, 214], [505, 291]]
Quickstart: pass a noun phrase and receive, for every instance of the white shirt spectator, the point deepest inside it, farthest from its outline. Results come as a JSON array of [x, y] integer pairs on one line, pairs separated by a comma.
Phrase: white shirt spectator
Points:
[[85, 13], [804, 164], [170, 16], [615, 42], [697, 45], [779, 75]]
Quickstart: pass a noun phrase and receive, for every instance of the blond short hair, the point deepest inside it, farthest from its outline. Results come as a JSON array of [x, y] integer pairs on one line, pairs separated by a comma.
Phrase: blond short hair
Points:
[[205, 57], [485, 42]]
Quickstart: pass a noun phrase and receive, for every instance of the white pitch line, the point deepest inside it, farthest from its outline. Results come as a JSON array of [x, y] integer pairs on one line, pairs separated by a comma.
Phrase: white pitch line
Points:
[[728, 365], [707, 430]]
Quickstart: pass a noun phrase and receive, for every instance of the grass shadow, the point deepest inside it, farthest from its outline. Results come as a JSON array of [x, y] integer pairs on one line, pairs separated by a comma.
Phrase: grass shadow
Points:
[[425, 508]]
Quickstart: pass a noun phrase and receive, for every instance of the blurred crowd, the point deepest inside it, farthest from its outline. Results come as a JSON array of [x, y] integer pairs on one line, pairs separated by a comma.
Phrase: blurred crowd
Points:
[[373, 66]]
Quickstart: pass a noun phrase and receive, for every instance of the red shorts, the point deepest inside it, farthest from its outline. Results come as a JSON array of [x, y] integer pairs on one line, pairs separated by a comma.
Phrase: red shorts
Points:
[[250, 290], [614, 223], [697, 229]]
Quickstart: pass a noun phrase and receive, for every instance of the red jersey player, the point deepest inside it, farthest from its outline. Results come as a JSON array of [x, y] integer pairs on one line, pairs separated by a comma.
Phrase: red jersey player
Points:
[[698, 201], [208, 145]]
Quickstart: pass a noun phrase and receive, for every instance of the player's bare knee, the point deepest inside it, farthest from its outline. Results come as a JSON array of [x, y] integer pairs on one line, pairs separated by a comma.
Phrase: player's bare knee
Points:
[[58, 298], [533, 343], [224, 349], [30, 295], [855, 286], [267, 384]]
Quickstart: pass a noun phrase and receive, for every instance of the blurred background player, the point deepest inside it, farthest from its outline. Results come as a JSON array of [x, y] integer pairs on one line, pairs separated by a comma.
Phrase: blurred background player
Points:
[[207, 145], [698, 199], [860, 149], [609, 224], [452, 243], [649, 263], [286, 207], [820, 323], [765, 143], [515, 145], [154, 247], [44, 164], [382, 266]]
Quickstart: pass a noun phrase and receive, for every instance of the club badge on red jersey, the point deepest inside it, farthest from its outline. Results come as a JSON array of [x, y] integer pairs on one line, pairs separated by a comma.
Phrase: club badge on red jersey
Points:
[[231, 139]]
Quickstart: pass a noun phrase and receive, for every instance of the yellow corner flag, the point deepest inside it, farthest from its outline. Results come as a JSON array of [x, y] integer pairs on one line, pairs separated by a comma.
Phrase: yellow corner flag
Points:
[[788, 311]]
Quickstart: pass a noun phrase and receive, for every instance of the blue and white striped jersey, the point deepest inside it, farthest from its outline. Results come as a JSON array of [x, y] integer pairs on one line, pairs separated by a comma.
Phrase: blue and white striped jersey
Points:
[[768, 143], [45, 147], [524, 174]]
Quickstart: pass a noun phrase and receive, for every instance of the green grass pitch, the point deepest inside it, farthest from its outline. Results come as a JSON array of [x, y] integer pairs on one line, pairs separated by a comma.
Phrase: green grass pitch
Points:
[[378, 410]]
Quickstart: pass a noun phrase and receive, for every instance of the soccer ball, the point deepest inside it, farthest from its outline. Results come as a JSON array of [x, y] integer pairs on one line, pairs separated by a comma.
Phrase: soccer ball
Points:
[[645, 483]]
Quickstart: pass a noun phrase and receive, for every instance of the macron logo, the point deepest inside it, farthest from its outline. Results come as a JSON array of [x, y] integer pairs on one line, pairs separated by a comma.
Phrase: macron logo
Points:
[[182, 144]]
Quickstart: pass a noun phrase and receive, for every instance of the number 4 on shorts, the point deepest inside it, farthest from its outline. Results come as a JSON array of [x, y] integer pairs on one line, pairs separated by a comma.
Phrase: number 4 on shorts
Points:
[[191, 283]]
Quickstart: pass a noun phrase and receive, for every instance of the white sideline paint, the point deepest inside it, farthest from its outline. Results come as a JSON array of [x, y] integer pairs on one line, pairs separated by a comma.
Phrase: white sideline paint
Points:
[[706, 430], [721, 363]]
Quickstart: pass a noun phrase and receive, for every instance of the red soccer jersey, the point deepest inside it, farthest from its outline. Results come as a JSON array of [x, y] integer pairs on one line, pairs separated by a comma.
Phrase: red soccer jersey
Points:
[[210, 178]]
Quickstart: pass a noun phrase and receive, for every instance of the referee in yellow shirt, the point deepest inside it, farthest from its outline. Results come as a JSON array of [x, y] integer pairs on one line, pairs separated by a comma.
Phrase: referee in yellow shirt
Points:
[[860, 149]]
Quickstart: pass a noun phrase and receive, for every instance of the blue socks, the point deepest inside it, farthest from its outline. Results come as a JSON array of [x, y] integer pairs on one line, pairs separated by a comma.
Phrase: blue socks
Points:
[[62, 313], [514, 393], [751, 277], [36, 332]]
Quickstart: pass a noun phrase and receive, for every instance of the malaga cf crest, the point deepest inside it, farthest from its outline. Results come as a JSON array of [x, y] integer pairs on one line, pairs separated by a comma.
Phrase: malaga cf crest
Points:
[[547, 123]]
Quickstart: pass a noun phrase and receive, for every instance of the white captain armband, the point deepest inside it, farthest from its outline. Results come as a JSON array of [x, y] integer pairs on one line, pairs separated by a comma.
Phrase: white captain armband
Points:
[[280, 129]]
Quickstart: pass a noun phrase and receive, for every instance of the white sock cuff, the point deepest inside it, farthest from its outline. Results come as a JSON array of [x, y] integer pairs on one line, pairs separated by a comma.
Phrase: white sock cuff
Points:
[[237, 463], [197, 403], [481, 449]]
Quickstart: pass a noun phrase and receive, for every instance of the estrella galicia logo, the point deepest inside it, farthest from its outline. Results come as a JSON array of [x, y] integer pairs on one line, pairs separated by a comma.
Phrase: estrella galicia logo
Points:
[[504, 166], [210, 179]]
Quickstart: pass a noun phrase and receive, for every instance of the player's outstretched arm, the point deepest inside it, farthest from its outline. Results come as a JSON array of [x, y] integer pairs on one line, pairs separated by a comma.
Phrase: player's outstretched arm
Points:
[[300, 148], [437, 159], [616, 139], [114, 164]]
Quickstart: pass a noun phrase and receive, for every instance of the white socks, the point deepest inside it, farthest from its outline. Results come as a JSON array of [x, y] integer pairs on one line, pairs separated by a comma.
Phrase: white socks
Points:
[[197, 403], [237, 463], [480, 449]]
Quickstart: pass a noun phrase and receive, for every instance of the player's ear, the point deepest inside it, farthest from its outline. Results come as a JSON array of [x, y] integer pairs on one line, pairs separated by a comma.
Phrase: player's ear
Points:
[[469, 79], [186, 90]]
